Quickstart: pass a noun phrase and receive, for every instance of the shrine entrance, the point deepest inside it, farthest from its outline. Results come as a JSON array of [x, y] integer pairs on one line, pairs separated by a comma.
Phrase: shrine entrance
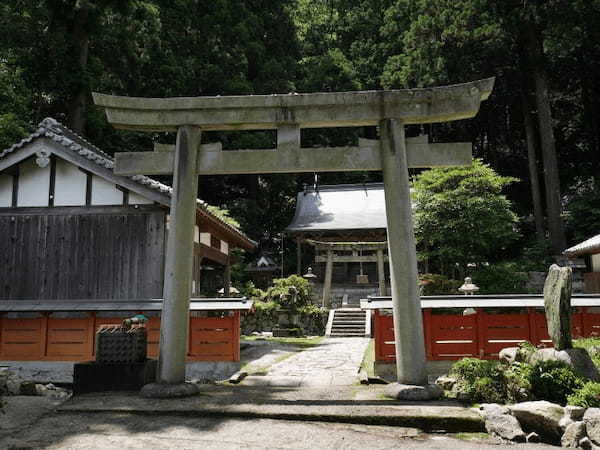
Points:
[[392, 154]]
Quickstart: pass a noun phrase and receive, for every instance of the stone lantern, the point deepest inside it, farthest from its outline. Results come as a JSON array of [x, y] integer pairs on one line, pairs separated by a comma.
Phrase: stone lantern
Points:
[[468, 288]]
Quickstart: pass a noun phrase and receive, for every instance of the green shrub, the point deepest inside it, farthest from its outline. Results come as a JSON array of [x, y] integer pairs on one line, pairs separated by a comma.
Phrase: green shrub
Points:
[[470, 369], [518, 386], [436, 284], [279, 292], [479, 380], [501, 278], [553, 381], [587, 396]]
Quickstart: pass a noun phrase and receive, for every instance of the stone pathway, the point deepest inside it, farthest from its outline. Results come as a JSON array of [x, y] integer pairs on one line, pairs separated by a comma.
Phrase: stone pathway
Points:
[[334, 362]]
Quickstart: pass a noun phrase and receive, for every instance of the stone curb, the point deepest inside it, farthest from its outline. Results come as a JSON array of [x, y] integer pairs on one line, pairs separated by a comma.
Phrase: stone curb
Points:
[[425, 418]]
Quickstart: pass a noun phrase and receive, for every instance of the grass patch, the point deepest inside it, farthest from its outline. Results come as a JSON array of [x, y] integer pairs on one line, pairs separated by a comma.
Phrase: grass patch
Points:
[[297, 342], [368, 361], [471, 436]]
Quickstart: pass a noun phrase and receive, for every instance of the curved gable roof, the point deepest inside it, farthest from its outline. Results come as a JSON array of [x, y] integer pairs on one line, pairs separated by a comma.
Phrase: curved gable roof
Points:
[[340, 207]]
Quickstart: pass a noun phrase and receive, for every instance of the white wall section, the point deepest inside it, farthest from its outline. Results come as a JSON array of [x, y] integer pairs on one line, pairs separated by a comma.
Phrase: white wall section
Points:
[[136, 199], [34, 184], [70, 185], [6, 183], [205, 238], [105, 193]]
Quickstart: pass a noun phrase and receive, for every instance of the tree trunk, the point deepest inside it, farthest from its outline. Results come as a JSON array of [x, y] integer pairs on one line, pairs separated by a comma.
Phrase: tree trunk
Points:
[[533, 48], [536, 196], [81, 40]]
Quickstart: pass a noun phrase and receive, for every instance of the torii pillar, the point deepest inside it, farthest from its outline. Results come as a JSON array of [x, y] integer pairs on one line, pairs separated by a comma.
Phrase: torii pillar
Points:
[[393, 154]]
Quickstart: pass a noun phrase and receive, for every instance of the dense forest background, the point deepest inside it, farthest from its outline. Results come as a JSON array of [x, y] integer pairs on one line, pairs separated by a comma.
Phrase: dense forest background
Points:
[[541, 125]]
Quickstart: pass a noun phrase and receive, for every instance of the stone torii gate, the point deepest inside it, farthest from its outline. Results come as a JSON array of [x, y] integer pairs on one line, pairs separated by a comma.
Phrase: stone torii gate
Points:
[[391, 110]]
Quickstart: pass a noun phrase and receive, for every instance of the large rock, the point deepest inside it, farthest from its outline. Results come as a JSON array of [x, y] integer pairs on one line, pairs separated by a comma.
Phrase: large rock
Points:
[[578, 358], [413, 392], [573, 434], [445, 382], [492, 409], [542, 417], [591, 418], [557, 301], [572, 414], [505, 426]]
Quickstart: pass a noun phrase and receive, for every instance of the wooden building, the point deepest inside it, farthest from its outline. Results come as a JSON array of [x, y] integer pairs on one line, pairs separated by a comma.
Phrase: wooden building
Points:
[[343, 227], [589, 252], [72, 230]]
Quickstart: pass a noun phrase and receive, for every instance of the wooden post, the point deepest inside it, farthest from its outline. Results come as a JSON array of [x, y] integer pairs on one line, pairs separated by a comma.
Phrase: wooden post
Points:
[[227, 279], [179, 259], [402, 256], [381, 272], [328, 276], [299, 256]]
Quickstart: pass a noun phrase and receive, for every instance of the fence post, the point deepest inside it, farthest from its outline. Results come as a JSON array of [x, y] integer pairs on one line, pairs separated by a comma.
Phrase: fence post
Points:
[[481, 332], [533, 338], [44, 335], [428, 335]]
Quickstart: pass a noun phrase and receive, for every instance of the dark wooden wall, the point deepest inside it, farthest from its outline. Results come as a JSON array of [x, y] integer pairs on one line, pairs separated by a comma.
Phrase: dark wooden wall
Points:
[[82, 253]]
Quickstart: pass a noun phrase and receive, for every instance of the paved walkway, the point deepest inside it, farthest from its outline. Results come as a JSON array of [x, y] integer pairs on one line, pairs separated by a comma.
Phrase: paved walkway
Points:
[[334, 362]]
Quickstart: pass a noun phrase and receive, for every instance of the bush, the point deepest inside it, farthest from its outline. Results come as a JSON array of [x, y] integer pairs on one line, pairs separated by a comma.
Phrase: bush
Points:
[[501, 278], [553, 381], [518, 385], [436, 284], [279, 292], [479, 380], [587, 396]]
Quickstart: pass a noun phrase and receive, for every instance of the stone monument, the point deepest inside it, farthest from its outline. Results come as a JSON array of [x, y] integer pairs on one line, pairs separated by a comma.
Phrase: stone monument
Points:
[[557, 302]]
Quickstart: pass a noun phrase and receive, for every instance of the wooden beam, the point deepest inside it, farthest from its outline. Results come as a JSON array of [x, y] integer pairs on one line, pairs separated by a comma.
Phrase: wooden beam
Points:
[[366, 157]]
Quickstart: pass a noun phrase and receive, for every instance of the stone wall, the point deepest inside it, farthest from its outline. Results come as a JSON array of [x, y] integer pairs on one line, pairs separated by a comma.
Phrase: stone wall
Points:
[[267, 319]]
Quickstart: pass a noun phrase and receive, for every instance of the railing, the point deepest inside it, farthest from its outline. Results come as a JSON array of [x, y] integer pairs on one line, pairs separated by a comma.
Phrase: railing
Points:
[[480, 326], [72, 339]]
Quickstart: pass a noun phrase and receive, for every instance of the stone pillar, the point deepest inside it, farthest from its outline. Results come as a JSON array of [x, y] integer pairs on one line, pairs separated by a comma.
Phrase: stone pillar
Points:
[[381, 272], [179, 259], [408, 321], [227, 279], [328, 276]]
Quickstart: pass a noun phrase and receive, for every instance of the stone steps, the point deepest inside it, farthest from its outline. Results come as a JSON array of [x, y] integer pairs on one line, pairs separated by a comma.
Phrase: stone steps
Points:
[[348, 322]]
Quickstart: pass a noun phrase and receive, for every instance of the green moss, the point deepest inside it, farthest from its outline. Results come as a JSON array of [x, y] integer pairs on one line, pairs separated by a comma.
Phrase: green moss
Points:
[[368, 362]]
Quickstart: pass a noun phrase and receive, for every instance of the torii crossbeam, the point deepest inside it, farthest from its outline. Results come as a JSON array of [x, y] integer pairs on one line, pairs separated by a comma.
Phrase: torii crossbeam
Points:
[[288, 114]]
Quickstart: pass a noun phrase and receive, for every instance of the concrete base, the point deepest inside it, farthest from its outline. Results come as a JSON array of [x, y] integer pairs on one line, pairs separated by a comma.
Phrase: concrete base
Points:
[[387, 371], [164, 390], [98, 377], [61, 372], [287, 332]]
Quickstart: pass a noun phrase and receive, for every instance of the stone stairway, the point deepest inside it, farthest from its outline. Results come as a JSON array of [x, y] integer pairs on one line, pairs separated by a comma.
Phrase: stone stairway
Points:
[[348, 322]]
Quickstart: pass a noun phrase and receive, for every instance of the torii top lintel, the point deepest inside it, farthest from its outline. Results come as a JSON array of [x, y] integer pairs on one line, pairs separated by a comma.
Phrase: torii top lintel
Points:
[[335, 109]]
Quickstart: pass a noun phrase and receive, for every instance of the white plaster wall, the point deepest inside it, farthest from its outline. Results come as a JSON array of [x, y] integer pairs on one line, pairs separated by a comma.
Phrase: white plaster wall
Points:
[[105, 193], [205, 238], [70, 185], [6, 182], [224, 247], [34, 184], [136, 199], [196, 234], [596, 262]]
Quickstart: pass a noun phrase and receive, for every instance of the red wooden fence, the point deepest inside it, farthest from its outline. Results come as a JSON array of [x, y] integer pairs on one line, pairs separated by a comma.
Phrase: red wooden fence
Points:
[[72, 339], [451, 336]]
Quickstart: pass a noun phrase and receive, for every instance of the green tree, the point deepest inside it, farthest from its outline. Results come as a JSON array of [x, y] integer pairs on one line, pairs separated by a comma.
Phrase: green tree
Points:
[[461, 216]]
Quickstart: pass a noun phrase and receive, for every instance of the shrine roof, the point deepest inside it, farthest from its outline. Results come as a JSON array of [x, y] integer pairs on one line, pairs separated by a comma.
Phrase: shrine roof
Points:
[[587, 247], [340, 207], [99, 162]]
